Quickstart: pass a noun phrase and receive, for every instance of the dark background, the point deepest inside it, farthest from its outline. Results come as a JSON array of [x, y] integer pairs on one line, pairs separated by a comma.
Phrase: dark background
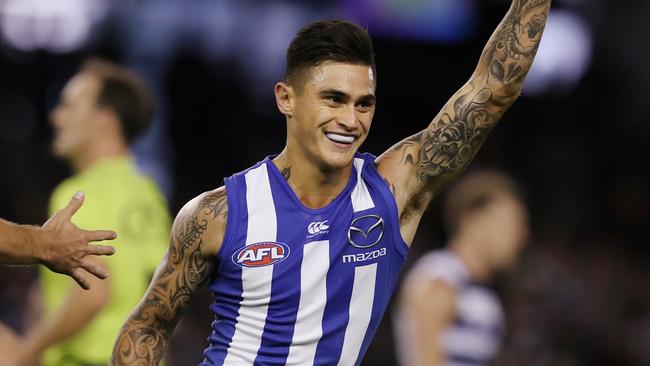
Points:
[[577, 141]]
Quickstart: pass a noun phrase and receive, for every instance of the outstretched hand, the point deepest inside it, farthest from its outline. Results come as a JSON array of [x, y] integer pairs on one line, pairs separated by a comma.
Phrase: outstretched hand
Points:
[[67, 245]]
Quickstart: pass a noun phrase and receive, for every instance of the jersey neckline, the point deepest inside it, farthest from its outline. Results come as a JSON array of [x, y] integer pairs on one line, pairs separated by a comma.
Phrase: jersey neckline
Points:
[[313, 211]]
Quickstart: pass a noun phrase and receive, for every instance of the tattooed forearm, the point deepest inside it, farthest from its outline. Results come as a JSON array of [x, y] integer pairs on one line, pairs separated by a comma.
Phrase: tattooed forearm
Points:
[[457, 136], [511, 50], [143, 338], [454, 136]]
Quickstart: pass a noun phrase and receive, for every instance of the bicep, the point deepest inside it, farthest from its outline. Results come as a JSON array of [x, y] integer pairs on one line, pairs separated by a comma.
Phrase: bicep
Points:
[[185, 265], [195, 238]]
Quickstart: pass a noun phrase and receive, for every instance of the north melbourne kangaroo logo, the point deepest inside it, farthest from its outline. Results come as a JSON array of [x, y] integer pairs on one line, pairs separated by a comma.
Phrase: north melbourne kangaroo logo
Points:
[[317, 227]]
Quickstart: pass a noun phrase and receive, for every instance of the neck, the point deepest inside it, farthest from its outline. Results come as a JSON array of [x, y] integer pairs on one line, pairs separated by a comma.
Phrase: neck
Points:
[[479, 270], [99, 150], [314, 186]]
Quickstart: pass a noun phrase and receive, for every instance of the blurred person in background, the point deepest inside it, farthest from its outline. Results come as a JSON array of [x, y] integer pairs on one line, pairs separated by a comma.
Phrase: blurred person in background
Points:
[[59, 244], [446, 314], [101, 110], [303, 250]]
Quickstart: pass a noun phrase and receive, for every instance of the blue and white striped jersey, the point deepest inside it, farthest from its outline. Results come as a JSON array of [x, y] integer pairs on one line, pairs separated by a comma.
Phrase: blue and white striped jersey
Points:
[[474, 337], [300, 286]]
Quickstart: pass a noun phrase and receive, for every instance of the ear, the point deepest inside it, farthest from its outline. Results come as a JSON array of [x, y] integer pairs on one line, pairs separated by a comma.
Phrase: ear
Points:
[[109, 122], [284, 97]]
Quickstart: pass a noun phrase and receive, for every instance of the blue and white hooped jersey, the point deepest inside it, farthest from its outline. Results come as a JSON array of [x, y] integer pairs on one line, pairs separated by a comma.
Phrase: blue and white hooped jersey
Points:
[[474, 337], [300, 286]]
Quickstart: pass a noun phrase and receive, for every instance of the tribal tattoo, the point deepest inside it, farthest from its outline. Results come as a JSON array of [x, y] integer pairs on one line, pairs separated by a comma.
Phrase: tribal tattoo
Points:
[[143, 338], [452, 139]]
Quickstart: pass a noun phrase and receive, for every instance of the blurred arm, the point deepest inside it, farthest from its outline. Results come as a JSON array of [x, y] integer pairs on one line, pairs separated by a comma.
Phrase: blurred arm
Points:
[[58, 244], [78, 309], [430, 307], [419, 167], [196, 237], [19, 244]]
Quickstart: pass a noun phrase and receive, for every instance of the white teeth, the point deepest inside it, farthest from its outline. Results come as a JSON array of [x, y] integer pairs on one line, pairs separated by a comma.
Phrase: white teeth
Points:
[[340, 138]]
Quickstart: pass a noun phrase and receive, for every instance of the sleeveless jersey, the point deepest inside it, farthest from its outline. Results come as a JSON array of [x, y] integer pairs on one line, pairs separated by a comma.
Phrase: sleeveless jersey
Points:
[[475, 335], [301, 286]]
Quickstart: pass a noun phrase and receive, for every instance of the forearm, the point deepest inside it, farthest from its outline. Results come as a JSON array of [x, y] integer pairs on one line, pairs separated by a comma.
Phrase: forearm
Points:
[[51, 331], [454, 136], [142, 340], [77, 311], [19, 243], [510, 51]]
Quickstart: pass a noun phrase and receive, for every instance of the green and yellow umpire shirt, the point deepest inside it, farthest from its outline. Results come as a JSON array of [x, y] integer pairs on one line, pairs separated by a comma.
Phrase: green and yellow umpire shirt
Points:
[[120, 198]]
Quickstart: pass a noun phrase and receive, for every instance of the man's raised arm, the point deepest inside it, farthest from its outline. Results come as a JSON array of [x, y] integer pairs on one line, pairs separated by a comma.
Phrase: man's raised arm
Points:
[[196, 236], [427, 161]]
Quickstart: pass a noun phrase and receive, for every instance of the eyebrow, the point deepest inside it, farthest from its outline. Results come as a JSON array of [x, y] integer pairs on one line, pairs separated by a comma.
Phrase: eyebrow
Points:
[[368, 98]]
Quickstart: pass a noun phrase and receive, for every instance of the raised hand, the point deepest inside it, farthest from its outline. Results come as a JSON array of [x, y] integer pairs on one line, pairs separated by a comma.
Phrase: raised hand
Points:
[[66, 246]]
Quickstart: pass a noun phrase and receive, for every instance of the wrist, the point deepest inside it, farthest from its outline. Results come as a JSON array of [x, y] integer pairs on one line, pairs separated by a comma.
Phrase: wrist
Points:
[[36, 245]]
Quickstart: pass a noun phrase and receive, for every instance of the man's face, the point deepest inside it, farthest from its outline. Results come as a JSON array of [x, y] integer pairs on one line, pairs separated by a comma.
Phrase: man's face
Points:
[[73, 118], [332, 113]]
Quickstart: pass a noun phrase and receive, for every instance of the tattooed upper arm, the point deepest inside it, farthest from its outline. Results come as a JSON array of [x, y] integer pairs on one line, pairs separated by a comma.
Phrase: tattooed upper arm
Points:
[[422, 165], [195, 239]]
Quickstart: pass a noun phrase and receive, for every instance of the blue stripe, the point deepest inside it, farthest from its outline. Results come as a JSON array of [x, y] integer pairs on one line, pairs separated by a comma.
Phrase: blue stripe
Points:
[[285, 290], [464, 360], [226, 283], [339, 292]]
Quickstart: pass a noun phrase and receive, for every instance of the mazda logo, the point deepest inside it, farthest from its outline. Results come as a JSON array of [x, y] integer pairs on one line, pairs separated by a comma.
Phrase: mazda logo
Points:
[[372, 223]]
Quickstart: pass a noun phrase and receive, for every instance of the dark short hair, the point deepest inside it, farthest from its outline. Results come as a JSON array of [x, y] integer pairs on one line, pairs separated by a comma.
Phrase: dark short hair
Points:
[[125, 93], [328, 40], [474, 192]]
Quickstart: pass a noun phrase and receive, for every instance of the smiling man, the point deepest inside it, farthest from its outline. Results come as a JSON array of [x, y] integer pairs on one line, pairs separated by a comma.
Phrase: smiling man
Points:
[[303, 250]]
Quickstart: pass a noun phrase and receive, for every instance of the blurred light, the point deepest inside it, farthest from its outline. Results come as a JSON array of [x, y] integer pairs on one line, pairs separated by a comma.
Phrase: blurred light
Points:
[[431, 20], [563, 56], [54, 25]]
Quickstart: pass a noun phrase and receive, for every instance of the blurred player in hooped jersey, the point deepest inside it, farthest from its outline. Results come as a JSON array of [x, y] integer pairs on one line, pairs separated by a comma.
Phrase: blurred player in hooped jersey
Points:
[[446, 314], [303, 250], [100, 112]]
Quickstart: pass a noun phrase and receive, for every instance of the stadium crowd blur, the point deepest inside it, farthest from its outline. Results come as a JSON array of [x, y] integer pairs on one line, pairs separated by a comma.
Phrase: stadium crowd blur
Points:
[[576, 139]]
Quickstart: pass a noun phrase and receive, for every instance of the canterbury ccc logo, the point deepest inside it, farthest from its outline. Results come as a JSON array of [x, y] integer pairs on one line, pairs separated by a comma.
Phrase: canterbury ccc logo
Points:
[[317, 227], [261, 254]]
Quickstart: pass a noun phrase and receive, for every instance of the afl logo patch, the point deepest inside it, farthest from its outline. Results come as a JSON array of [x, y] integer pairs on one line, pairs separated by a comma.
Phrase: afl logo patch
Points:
[[261, 254]]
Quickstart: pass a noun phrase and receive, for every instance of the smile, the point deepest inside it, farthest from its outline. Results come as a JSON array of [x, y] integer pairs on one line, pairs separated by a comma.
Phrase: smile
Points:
[[342, 139]]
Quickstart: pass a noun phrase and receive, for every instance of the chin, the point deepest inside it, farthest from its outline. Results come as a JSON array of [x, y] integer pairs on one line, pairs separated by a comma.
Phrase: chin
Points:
[[333, 161]]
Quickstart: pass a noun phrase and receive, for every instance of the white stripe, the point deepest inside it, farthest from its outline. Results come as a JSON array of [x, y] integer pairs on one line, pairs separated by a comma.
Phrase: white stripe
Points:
[[361, 199], [313, 297], [363, 295], [256, 282], [470, 342]]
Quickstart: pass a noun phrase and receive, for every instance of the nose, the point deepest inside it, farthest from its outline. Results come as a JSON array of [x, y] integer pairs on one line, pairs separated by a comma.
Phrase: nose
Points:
[[55, 115], [348, 118]]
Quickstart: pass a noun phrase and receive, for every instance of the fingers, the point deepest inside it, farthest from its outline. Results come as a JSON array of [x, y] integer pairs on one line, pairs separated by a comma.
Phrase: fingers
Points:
[[100, 250], [94, 269], [74, 204], [99, 235], [78, 275]]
